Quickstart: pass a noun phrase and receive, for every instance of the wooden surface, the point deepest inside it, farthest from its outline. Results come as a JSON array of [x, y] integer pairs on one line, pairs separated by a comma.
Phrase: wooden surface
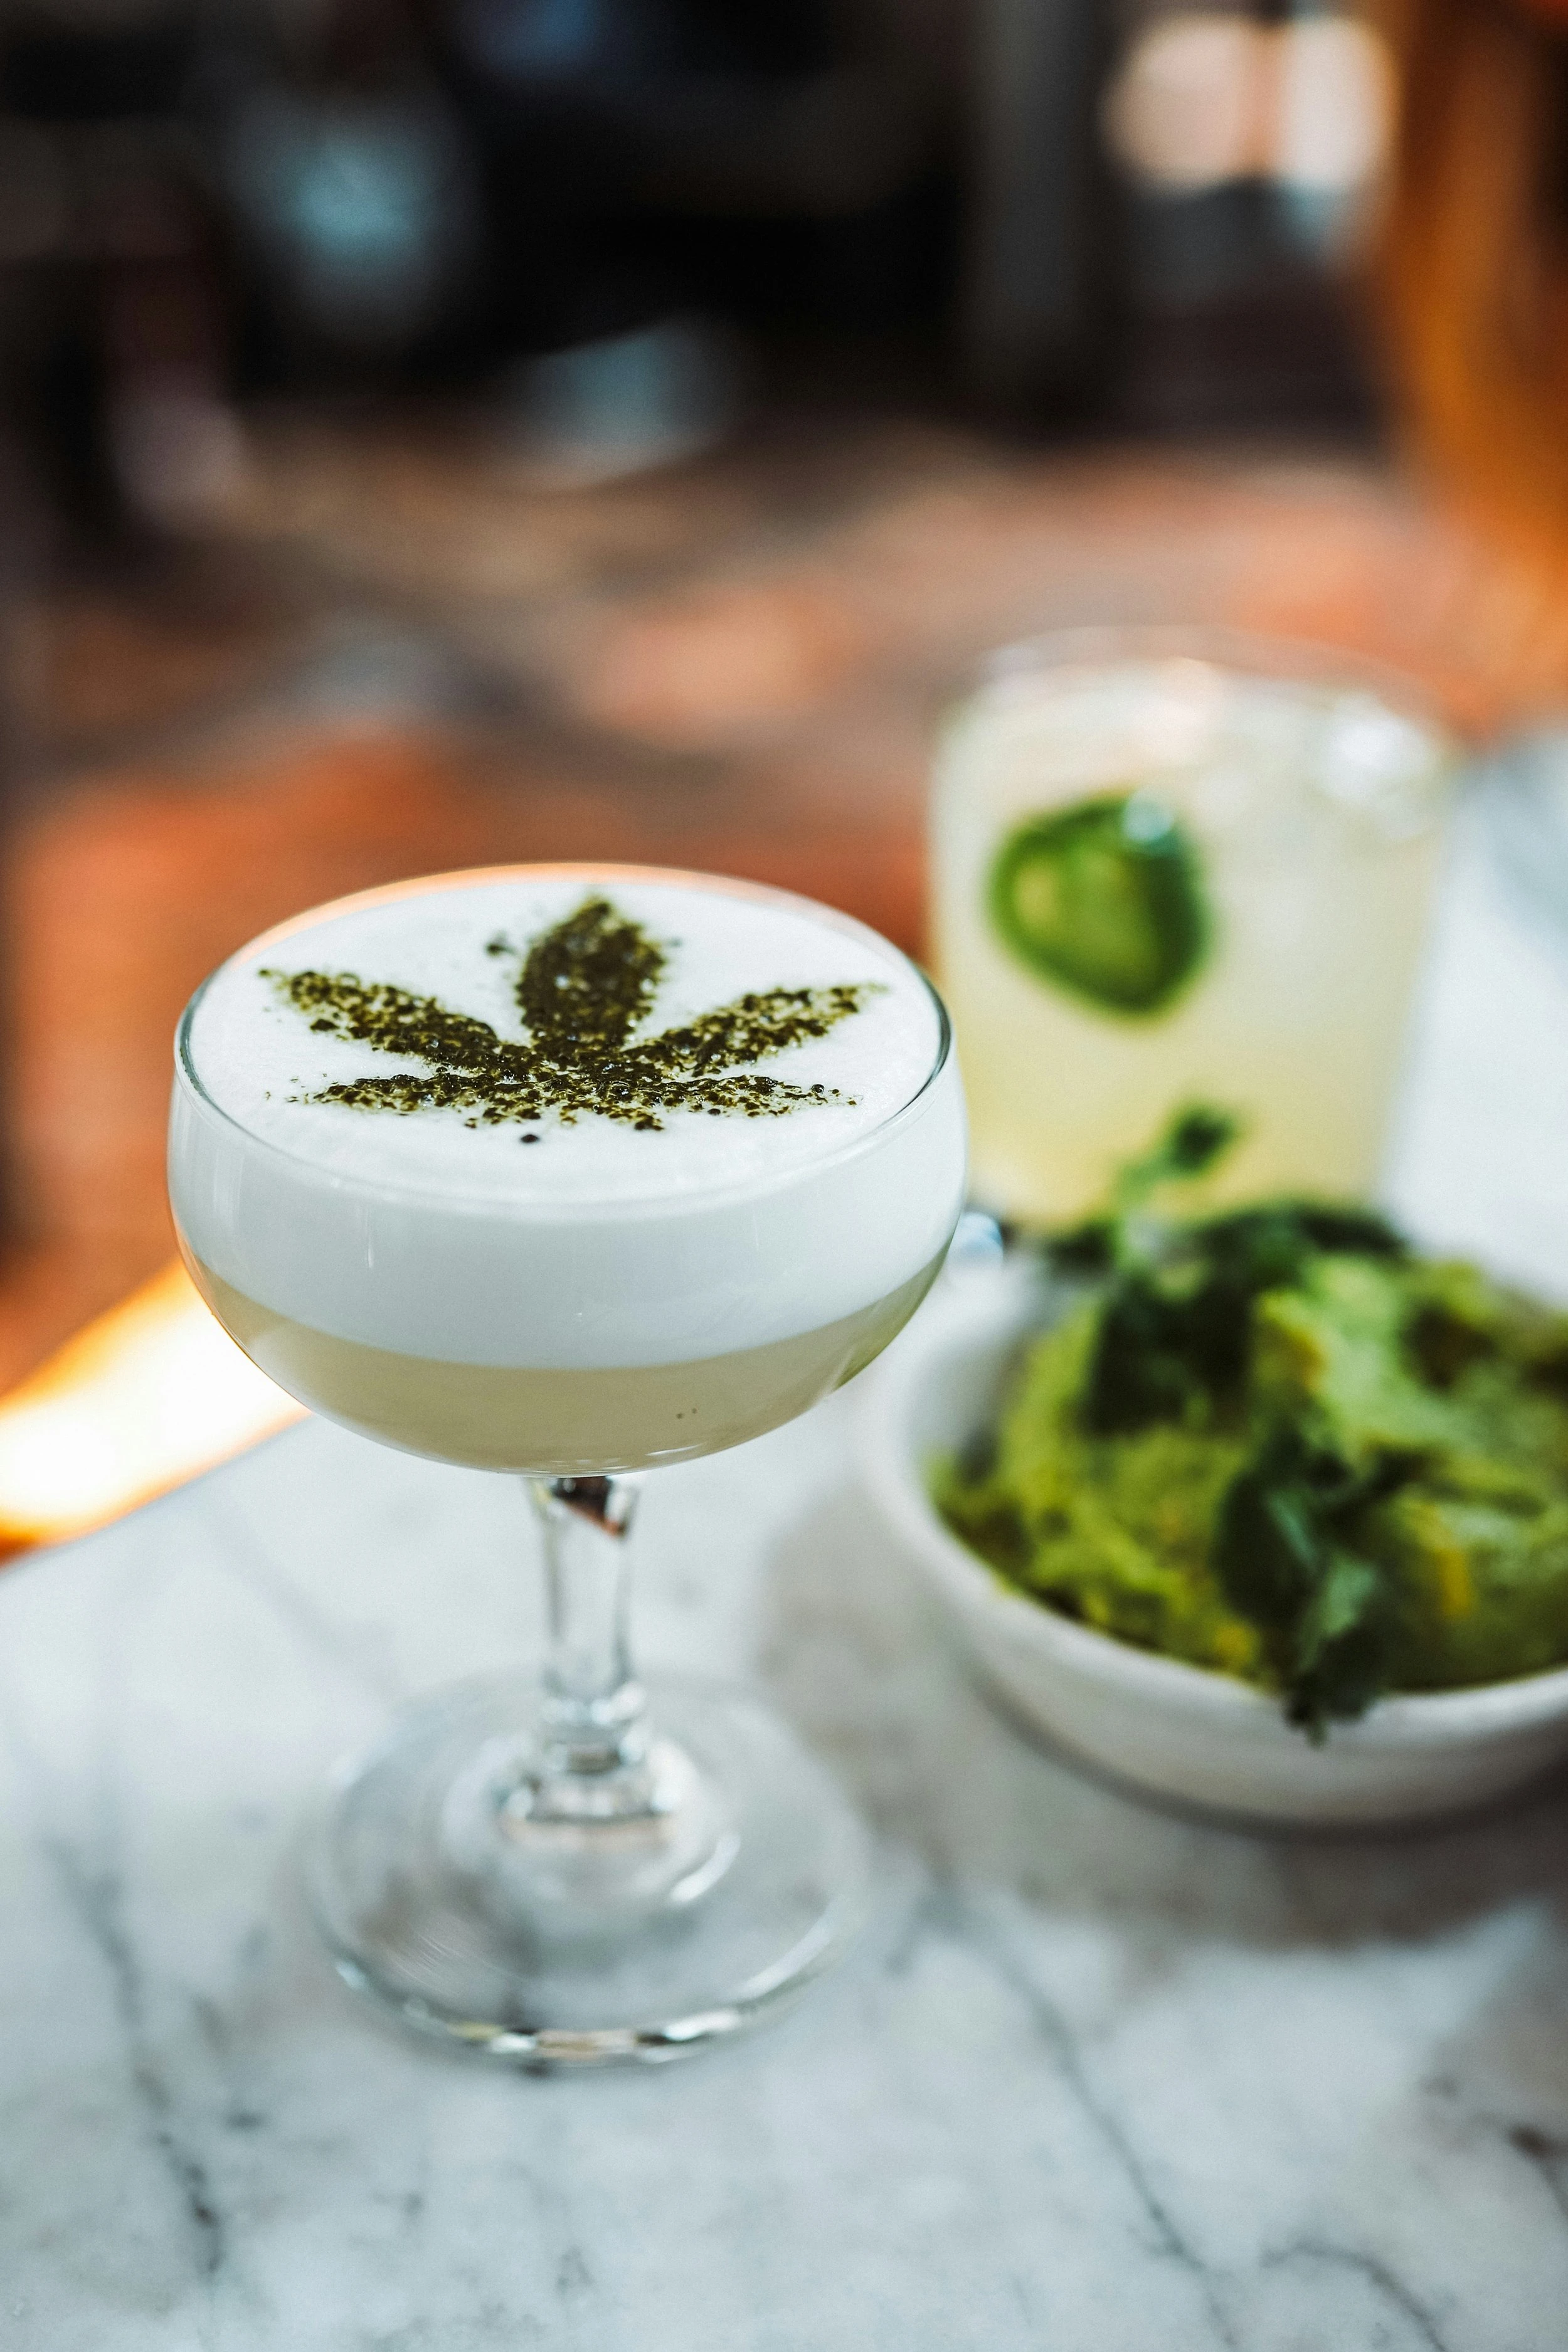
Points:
[[398, 657]]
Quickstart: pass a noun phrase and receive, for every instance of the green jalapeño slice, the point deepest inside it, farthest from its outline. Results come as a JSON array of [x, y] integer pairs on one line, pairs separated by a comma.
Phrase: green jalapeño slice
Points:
[[1104, 899]]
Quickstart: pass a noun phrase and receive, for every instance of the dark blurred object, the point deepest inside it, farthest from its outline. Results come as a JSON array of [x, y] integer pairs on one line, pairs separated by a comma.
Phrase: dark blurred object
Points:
[[1042, 309], [362, 216], [648, 157], [450, 183], [597, 209], [1253, 145], [351, 181], [1168, 208], [362, 195], [112, 335]]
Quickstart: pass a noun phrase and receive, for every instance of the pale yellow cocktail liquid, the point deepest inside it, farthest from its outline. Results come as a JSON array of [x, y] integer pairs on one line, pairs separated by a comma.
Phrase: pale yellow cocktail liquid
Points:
[[1266, 966]]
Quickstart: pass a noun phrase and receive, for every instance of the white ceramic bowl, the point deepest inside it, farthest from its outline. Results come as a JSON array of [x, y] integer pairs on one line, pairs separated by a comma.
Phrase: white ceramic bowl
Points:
[[1176, 1730]]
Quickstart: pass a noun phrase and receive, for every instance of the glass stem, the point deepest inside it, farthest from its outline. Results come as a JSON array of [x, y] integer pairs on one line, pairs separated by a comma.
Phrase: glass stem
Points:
[[594, 1752]]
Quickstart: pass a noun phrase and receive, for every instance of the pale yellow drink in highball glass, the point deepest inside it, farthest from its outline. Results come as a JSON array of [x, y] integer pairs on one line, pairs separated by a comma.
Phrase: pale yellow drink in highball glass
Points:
[[1172, 872]]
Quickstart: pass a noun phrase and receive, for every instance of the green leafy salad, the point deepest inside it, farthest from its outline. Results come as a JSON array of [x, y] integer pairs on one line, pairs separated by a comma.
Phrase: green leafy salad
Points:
[[1278, 1444]]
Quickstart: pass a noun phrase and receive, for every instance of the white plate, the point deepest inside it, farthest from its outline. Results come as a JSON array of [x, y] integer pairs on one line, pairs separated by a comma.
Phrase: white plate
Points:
[[1177, 1730]]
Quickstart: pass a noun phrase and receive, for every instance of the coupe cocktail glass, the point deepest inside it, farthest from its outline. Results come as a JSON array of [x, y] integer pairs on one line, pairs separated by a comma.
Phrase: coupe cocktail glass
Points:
[[1175, 866], [727, 1213]]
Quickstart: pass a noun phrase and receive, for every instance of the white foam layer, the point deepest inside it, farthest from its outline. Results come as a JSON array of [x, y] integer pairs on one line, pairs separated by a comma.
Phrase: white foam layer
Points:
[[600, 1244]]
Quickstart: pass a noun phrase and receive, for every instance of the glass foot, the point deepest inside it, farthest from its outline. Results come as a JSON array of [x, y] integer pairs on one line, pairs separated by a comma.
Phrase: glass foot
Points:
[[685, 1907]]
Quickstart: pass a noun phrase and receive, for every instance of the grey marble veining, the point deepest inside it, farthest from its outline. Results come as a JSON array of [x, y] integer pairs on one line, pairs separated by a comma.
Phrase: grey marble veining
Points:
[[1098, 2080]]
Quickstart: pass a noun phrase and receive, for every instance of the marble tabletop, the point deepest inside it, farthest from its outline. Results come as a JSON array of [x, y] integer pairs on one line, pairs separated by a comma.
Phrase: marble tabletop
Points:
[[1099, 2079]]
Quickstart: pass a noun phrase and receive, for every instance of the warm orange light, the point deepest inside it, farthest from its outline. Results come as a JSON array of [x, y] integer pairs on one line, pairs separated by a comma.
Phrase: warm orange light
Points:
[[148, 1396]]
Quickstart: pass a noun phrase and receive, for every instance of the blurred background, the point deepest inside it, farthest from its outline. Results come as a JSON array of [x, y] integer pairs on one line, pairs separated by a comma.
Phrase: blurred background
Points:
[[442, 431]]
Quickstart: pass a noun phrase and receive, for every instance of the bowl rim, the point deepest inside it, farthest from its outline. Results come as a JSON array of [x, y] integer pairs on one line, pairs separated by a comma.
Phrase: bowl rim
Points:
[[984, 1306]]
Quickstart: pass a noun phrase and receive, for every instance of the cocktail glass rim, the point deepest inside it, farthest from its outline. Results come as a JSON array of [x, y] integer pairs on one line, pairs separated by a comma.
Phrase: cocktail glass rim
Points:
[[587, 870], [1253, 653], [557, 1781]]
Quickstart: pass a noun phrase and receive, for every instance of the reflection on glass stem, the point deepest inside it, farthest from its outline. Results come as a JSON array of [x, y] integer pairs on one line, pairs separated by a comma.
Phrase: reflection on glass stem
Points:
[[593, 1756]]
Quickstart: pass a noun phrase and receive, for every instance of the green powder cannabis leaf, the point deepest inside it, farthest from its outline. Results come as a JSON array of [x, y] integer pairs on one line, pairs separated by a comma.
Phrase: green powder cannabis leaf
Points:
[[585, 989]]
